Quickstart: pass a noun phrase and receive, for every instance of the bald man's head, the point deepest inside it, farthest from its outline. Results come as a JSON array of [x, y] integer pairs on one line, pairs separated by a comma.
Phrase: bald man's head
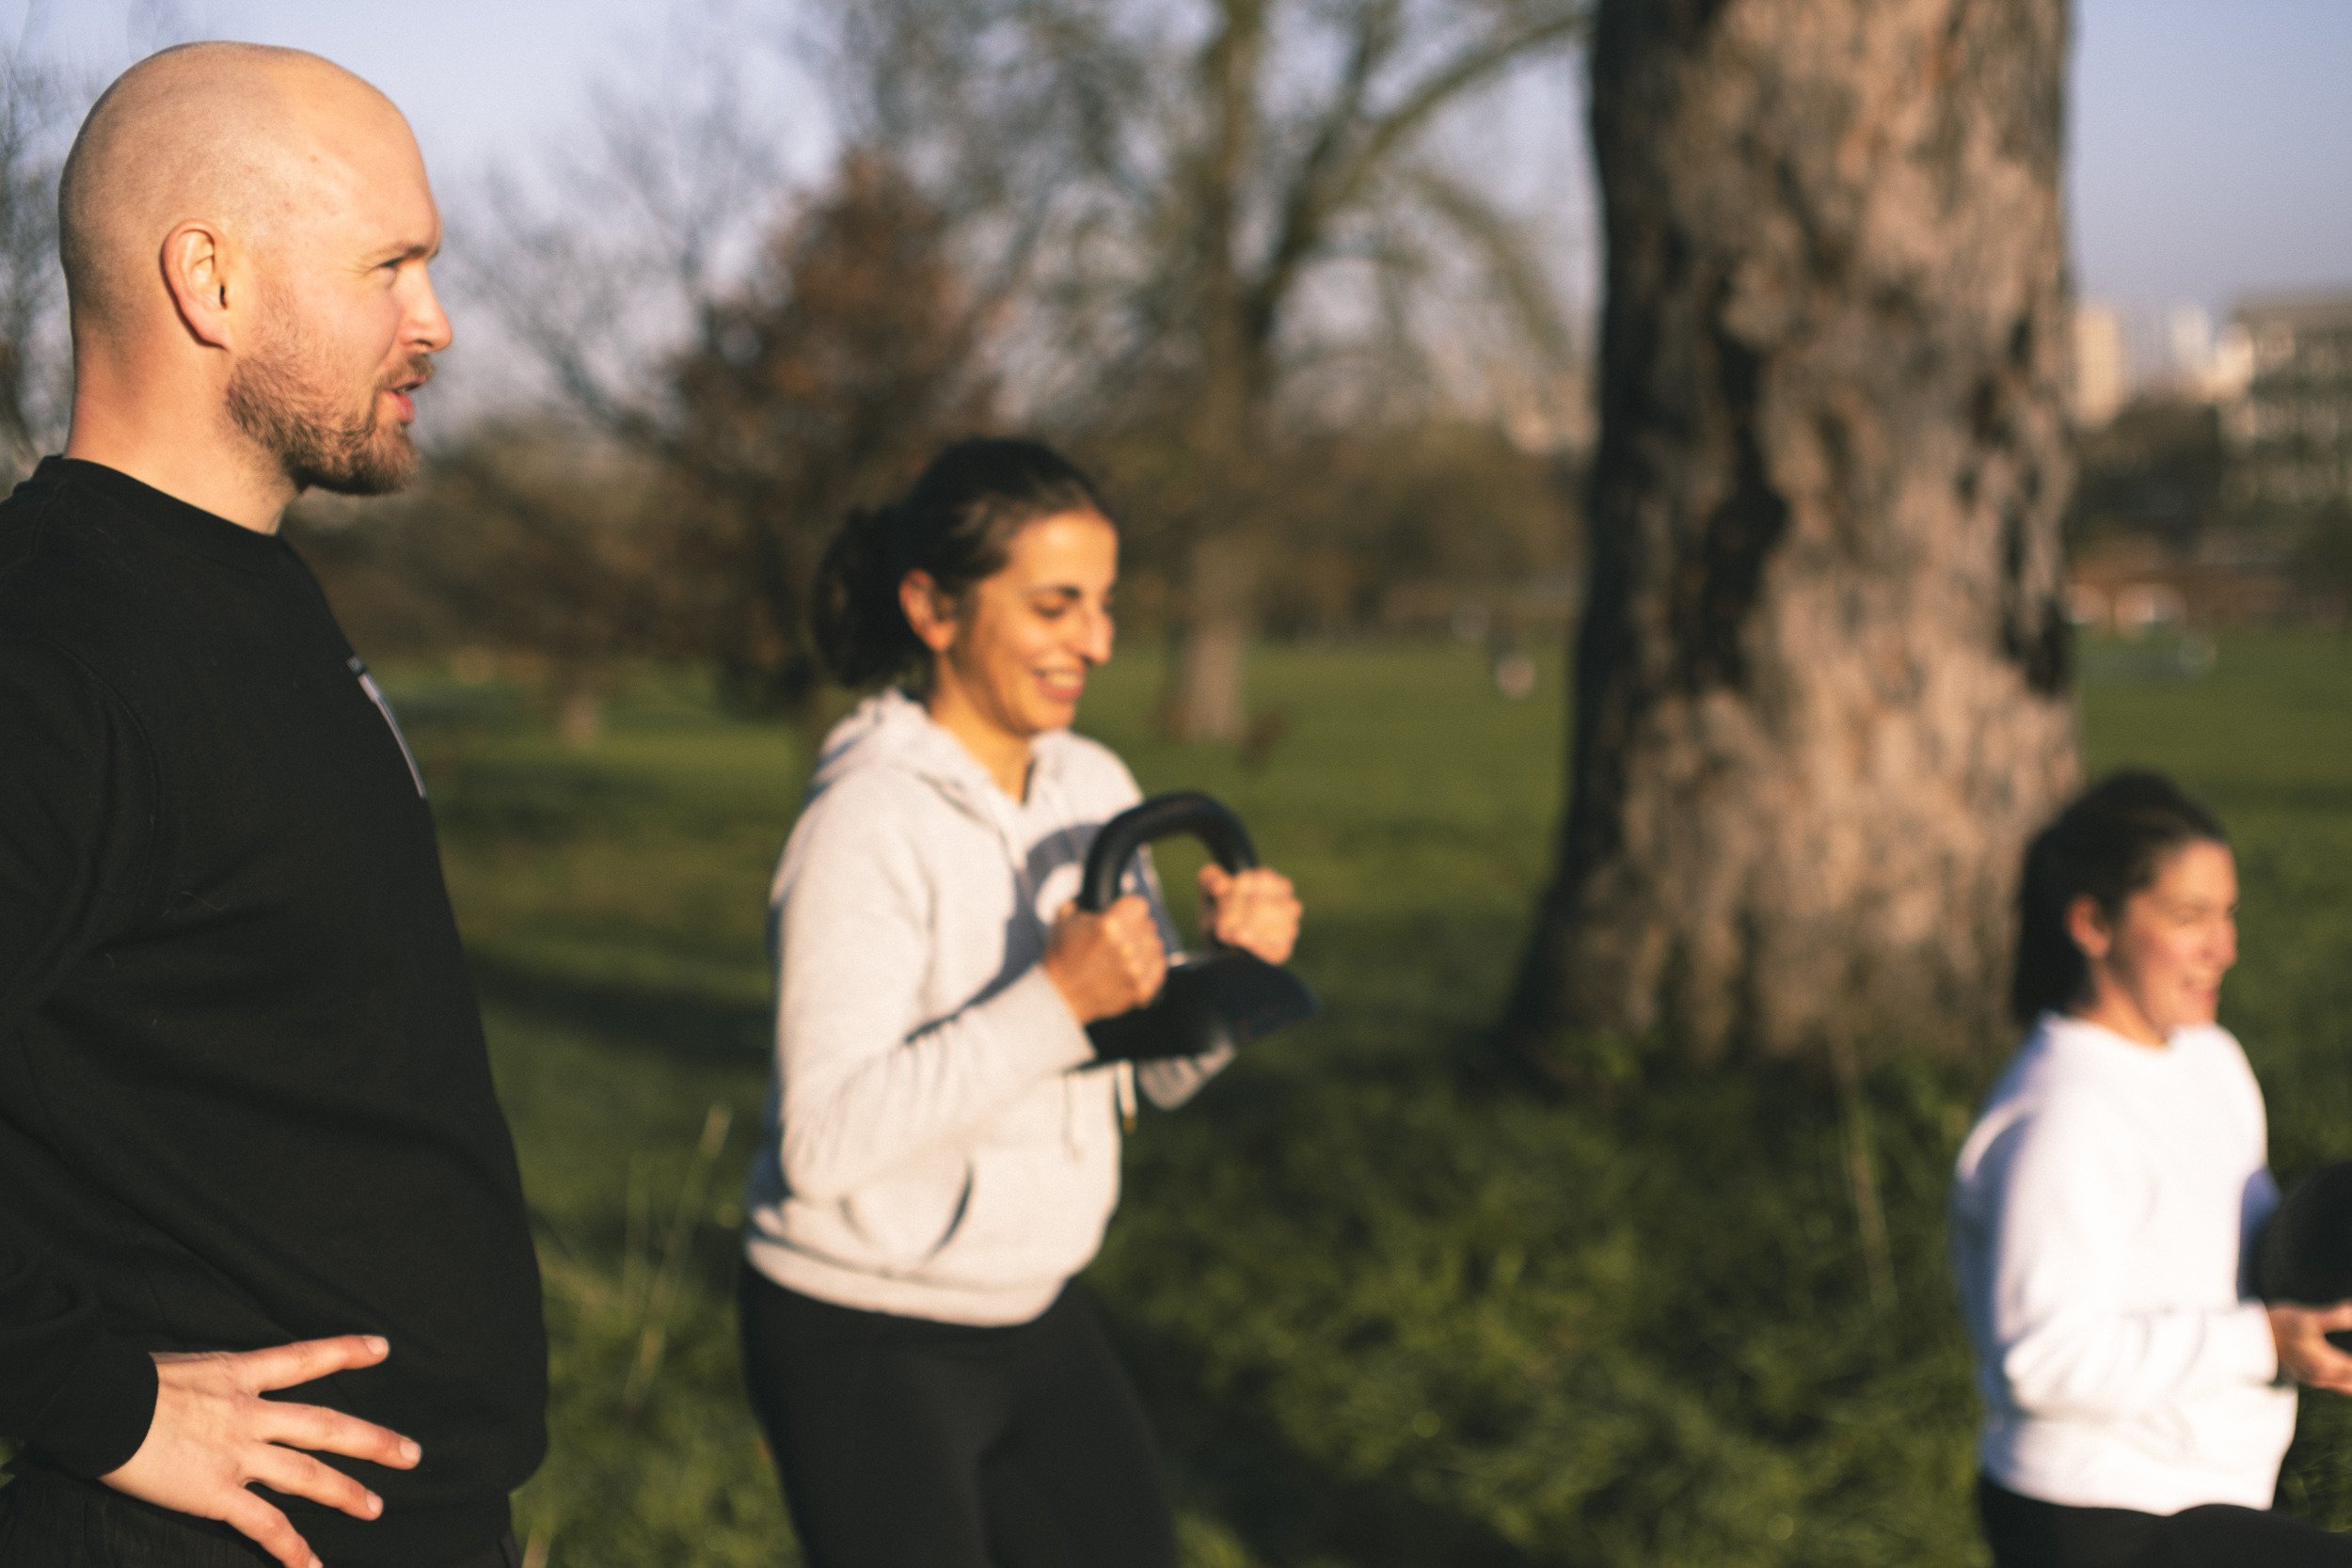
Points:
[[260, 218], [240, 134]]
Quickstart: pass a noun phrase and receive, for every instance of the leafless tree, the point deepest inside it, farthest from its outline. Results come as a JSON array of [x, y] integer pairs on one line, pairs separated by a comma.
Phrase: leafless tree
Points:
[[37, 119], [825, 382], [761, 356], [1173, 224], [1194, 192]]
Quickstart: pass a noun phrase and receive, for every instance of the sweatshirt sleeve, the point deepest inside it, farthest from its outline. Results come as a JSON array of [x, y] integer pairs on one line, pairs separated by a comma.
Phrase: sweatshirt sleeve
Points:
[[2063, 1343], [76, 816], [866, 1081]]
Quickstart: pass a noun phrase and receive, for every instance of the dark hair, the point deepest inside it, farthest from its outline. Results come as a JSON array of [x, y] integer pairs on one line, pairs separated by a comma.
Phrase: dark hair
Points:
[[957, 525], [2108, 844]]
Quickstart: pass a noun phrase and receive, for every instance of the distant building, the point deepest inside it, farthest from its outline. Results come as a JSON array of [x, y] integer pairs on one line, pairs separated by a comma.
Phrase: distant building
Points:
[[2134, 586], [2103, 367], [2290, 428]]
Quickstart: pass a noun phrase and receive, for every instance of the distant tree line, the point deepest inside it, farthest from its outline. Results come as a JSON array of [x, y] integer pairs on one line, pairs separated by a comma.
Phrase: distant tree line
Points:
[[1312, 355]]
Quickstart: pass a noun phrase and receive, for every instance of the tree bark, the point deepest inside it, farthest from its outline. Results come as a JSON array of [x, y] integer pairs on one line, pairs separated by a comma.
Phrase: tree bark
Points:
[[1822, 676], [1206, 698]]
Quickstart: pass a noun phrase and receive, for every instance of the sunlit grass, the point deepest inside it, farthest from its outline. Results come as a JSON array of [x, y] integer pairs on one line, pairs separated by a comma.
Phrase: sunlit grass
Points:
[[1385, 1312]]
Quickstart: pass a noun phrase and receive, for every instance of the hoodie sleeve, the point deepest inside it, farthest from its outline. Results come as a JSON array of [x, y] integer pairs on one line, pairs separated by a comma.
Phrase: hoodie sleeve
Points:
[[865, 1082], [2061, 1181], [1170, 1081]]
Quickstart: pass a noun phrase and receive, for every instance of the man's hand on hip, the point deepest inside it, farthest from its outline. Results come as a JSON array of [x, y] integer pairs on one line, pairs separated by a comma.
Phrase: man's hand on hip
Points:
[[213, 1433]]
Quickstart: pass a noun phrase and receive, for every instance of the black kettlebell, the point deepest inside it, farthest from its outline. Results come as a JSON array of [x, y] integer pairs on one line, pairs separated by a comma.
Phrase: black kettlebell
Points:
[[1221, 997], [2306, 1251]]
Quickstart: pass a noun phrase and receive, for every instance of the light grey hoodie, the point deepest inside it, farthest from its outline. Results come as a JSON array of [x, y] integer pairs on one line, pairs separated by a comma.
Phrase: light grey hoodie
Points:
[[939, 1144]]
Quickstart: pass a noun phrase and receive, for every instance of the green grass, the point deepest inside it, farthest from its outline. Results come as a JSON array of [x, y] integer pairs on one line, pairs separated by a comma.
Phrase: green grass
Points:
[[1385, 1313]]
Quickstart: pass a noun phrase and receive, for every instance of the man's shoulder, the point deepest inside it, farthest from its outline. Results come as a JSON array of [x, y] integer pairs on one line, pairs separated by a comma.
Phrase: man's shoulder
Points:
[[29, 540], [56, 547], [71, 576]]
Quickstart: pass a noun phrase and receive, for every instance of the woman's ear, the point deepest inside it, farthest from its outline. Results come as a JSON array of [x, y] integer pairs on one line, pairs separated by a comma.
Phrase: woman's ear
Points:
[[930, 612], [2087, 924]]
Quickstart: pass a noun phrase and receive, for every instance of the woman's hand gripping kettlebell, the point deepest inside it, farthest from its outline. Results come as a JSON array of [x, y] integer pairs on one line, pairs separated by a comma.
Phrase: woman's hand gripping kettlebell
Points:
[[1108, 963], [1256, 910]]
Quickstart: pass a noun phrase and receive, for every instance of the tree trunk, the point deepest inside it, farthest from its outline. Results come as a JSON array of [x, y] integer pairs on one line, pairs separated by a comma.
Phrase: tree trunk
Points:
[[580, 707], [1823, 678], [1207, 695]]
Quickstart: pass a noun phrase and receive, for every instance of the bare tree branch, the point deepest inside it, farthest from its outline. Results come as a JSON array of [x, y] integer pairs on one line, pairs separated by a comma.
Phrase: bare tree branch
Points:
[[36, 121]]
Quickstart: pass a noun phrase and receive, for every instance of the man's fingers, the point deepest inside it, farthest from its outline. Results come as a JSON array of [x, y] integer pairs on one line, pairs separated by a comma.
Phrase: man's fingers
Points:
[[307, 1426], [306, 1360], [298, 1475], [267, 1528]]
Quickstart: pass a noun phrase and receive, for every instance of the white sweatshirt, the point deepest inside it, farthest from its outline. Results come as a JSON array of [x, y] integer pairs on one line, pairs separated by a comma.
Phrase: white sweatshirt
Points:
[[939, 1145], [2103, 1222]]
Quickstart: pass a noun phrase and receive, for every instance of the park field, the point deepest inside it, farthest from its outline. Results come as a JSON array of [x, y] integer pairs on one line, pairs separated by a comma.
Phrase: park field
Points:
[[1388, 1310]]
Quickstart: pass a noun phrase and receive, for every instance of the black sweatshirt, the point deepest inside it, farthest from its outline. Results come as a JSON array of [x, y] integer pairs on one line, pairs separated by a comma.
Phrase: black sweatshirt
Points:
[[243, 1098]]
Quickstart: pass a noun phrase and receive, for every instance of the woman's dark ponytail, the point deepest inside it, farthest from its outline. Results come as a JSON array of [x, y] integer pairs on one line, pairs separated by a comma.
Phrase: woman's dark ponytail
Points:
[[861, 632], [2108, 844], [956, 525]]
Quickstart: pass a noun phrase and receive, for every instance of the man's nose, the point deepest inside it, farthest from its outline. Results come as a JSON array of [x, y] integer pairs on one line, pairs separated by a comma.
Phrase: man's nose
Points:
[[429, 329]]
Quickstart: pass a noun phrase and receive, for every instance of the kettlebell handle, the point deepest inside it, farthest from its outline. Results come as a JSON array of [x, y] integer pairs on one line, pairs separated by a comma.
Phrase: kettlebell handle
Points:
[[1185, 811]]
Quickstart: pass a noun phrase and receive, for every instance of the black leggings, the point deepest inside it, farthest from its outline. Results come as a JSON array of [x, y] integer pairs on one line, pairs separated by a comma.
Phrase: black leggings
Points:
[[905, 1442], [2026, 1532]]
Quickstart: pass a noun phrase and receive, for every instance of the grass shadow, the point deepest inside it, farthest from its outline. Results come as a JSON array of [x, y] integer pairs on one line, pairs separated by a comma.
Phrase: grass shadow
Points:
[[1230, 1458], [667, 1021]]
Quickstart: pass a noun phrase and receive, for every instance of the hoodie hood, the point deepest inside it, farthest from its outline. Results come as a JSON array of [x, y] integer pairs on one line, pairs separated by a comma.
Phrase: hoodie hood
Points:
[[891, 729]]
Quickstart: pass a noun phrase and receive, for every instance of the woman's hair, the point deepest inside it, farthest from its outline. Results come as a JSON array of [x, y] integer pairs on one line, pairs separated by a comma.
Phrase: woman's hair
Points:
[[957, 525], [2108, 844]]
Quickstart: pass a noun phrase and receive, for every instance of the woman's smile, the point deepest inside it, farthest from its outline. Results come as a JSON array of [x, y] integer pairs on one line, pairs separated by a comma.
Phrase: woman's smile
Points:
[[1015, 650]]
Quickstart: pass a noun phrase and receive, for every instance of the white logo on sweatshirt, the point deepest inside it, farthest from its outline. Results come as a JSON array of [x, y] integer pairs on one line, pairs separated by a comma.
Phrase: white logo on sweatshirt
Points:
[[375, 695]]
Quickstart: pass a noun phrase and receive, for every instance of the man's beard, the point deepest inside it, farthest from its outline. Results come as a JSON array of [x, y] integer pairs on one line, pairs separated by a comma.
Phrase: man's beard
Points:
[[318, 445]]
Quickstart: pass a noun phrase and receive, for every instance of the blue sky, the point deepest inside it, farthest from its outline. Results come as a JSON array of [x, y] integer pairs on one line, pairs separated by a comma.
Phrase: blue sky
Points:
[[2212, 146]]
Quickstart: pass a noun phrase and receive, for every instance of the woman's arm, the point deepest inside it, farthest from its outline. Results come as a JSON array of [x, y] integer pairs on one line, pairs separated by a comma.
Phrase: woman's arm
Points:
[[867, 1082], [2068, 1190]]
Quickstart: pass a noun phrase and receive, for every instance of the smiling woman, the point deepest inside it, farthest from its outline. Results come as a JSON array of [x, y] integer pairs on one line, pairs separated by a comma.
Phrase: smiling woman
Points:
[[2137, 1397], [943, 1154]]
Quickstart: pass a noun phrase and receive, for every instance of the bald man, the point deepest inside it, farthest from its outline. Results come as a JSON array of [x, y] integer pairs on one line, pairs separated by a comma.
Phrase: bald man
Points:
[[266, 1290]]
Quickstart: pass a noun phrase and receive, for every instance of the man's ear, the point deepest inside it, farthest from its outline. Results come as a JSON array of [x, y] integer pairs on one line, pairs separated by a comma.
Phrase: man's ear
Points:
[[930, 612], [196, 262], [2087, 923]]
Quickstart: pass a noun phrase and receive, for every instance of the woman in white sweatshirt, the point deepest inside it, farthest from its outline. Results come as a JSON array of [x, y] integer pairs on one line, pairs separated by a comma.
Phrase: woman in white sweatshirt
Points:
[[2137, 1399], [943, 1142]]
